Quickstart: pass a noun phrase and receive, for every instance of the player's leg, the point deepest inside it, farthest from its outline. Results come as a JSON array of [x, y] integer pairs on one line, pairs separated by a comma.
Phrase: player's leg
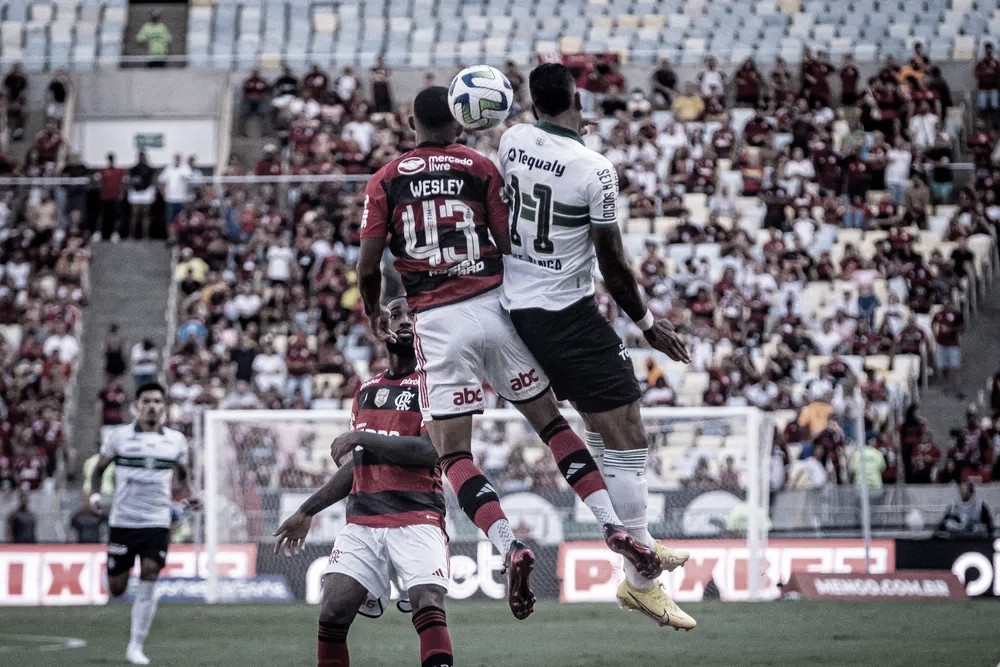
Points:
[[431, 624], [121, 558], [342, 597], [420, 555], [152, 558], [448, 342], [358, 568], [586, 363]]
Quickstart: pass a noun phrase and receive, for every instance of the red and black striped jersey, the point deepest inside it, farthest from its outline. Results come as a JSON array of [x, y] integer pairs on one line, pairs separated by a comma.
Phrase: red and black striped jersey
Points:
[[436, 205], [386, 495]]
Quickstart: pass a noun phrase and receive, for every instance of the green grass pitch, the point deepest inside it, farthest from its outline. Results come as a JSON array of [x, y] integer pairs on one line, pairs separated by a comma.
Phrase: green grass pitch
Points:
[[955, 634]]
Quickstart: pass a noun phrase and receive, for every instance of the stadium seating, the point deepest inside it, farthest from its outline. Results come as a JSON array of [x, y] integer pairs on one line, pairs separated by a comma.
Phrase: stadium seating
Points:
[[230, 33], [67, 34]]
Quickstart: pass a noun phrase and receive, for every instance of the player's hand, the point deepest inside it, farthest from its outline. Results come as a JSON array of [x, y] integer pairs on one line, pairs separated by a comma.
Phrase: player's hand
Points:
[[662, 337], [95, 503], [194, 503], [343, 445], [292, 534], [379, 321]]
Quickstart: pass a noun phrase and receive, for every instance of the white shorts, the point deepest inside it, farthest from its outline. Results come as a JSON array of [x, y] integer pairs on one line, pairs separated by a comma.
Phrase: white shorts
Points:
[[460, 345], [419, 554]]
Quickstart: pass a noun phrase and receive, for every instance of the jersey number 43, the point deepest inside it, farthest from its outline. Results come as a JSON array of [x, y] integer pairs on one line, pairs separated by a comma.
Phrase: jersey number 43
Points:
[[440, 220]]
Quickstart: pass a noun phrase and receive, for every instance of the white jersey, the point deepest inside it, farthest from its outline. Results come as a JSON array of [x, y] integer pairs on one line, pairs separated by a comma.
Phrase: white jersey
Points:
[[144, 469], [558, 188]]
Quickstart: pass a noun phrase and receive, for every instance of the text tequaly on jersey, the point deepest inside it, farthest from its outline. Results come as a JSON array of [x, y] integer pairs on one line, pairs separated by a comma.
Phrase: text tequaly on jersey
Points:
[[531, 162]]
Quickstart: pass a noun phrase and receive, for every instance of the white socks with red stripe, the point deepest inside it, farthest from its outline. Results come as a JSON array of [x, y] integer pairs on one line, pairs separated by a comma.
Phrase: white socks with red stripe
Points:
[[625, 476]]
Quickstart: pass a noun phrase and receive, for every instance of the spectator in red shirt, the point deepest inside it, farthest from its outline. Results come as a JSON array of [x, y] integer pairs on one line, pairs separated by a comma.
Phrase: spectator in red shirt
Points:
[[948, 325], [987, 73], [48, 141], [300, 362], [111, 403], [256, 94], [747, 80], [269, 164], [316, 81], [15, 87], [981, 144], [849, 76], [112, 192], [923, 459]]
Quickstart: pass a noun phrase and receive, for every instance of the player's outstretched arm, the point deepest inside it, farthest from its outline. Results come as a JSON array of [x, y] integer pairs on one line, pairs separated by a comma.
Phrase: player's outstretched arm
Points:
[[292, 532], [95, 481], [402, 450], [184, 486], [370, 284], [620, 281]]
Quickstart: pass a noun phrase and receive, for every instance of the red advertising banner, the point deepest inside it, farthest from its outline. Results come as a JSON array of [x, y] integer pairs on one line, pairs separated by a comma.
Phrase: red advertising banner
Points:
[[72, 574], [916, 584], [591, 573]]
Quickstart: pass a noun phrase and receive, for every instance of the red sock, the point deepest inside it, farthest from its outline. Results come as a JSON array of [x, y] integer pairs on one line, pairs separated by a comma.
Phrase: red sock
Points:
[[476, 496], [435, 642], [331, 649], [574, 460]]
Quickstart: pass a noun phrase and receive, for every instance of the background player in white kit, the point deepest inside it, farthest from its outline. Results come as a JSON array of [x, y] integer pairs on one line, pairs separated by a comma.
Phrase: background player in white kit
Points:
[[149, 459], [564, 215]]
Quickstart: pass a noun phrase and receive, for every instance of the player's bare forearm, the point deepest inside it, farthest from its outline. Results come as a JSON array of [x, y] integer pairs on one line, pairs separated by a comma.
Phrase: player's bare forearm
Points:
[[336, 489], [400, 449], [618, 276], [370, 273], [95, 477]]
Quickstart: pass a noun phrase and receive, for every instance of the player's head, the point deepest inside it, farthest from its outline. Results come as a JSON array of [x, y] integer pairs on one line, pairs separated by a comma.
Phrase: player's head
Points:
[[966, 490], [150, 404], [431, 119], [553, 91], [401, 324]]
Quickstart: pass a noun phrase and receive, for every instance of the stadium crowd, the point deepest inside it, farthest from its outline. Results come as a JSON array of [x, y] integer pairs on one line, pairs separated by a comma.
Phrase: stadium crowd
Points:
[[811, 238]]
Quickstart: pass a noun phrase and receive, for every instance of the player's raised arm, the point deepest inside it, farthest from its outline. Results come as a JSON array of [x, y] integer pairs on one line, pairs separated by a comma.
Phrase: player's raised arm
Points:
[[401, 450], [292, 532], [374, 226], [618, 275]]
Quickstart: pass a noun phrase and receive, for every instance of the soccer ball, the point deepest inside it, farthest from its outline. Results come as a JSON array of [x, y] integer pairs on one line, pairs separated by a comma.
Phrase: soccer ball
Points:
[[480, 97]]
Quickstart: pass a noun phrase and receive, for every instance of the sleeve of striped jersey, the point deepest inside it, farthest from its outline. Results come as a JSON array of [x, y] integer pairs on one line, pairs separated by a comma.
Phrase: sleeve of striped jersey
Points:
[[602, 194], [182, 451], [354, 412], [498, 215], [375, 215], [109, 444]]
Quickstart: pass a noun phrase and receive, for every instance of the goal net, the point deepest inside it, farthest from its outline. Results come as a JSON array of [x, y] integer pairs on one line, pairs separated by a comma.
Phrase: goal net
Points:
[[708, 478]]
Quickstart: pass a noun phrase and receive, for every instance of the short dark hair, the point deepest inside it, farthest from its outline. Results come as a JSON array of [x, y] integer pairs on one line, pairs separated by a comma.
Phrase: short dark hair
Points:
[[551, 86], [149, 386], [430, 108]]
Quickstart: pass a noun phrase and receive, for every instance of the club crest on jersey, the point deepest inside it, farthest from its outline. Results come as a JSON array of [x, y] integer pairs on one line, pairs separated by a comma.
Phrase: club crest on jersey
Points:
[[381, 397], [403, 400], [411, 165]]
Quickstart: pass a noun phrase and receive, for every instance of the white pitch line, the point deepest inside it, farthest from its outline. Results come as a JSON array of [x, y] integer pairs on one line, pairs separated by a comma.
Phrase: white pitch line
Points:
[[46, 642]]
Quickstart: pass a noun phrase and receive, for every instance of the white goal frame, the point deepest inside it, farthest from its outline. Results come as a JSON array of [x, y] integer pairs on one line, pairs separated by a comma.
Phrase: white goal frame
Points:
[[756, 478]]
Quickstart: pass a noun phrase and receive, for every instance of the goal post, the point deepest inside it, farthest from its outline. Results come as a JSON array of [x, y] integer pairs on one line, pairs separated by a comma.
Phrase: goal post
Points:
[[258, 465]]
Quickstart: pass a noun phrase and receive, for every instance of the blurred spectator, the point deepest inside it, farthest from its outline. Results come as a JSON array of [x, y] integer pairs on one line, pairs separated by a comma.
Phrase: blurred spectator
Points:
[[381, 82], [87, 525], [987, 73], [111, 179], [145, 362], [690, 106], [15, 93], [810, 472], [156, 36], [21, 522], [663, 83], [112, 403], [729, 476], [141, 194], [173, 182], [948, 325], [256, 91], [874, 464], [967, 517]]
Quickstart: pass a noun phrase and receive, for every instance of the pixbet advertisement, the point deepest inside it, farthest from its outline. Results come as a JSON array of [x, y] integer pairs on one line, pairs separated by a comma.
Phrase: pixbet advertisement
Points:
[[62, 574], [591, 573]]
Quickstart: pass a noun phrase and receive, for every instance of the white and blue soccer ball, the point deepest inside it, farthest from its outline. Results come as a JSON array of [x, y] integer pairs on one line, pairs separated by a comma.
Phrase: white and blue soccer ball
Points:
[[480, 97]]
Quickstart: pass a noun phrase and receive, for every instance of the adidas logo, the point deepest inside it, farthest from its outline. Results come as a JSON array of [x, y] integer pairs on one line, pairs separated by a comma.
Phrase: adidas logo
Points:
[[487, 488], [574, 468], [439, 573]]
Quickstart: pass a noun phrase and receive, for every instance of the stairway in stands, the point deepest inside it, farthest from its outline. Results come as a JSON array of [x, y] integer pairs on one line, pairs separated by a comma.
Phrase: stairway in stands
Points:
[[174, 15], [129, 285]]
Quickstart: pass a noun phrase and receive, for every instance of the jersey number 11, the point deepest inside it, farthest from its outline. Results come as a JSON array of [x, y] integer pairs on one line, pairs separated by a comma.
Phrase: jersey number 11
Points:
[[543, 216]]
